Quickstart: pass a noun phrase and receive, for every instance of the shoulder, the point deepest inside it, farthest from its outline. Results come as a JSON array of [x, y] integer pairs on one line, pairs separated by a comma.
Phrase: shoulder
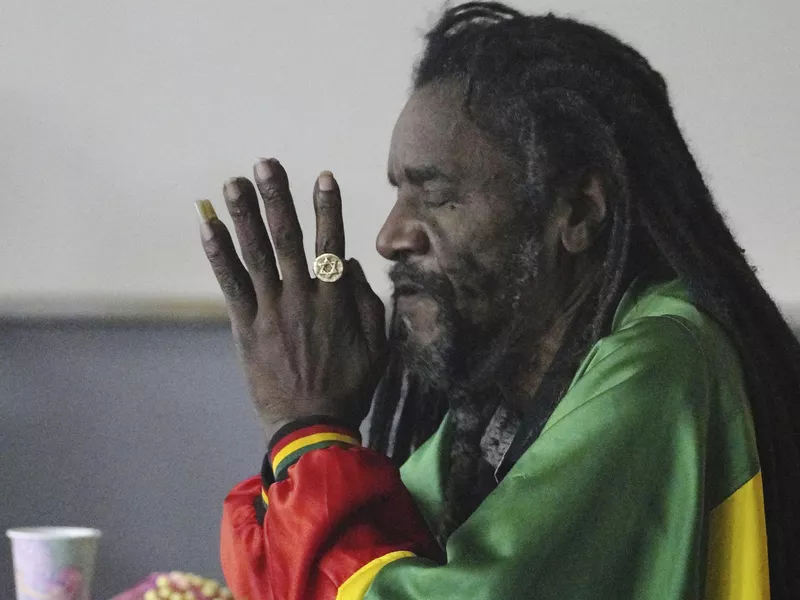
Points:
[[664, 323], [654, 364], [664, 357], [659, 349], [658, 308]]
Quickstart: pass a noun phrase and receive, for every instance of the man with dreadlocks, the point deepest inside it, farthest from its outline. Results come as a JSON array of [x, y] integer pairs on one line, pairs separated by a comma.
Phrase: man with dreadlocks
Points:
[[589, 391]]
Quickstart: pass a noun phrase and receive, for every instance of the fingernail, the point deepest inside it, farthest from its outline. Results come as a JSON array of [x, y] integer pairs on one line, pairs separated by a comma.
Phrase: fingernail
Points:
[[205, 211], [326, 182], [206, 214], [263, 169], [232, 188]]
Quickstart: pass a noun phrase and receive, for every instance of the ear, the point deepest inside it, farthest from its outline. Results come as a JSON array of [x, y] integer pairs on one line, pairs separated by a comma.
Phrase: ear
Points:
[[586, 215]]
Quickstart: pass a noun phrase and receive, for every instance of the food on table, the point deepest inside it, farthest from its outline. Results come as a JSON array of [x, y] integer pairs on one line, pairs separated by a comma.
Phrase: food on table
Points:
[[176, 585]]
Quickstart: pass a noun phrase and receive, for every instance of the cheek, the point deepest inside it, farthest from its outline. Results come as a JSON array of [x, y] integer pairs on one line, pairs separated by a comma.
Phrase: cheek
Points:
[[475, 246], [476, 274], [491, 276]]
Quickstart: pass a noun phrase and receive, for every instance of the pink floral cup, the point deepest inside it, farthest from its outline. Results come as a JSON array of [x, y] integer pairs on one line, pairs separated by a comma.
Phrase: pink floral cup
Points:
[[53, 563]]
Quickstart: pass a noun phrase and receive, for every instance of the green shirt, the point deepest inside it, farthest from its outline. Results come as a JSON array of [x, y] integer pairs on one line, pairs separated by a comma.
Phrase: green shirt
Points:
[[644, 483]]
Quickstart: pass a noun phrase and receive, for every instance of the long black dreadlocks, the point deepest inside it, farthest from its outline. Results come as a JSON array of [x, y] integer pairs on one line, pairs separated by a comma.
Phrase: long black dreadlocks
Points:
[[569, 99]]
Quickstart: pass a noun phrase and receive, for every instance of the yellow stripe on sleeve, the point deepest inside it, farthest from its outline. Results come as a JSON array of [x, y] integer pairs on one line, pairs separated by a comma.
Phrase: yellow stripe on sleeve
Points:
[[264, 498], [356, 586], [308, 441], [737, 566]]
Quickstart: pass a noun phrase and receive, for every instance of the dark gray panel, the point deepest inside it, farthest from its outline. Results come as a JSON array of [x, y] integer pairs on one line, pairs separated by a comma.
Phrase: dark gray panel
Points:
[[137, 430]]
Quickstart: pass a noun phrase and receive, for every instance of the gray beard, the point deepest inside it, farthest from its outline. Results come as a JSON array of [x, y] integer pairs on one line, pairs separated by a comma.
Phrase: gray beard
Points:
[[465, 360]]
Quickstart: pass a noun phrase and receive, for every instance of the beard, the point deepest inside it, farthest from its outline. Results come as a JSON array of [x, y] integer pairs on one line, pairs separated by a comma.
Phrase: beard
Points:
[[448, 350], [461, 360]]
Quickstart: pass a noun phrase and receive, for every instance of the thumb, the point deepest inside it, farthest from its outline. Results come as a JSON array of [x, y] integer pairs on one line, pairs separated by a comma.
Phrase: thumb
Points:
[[356, 272], [370, 307]]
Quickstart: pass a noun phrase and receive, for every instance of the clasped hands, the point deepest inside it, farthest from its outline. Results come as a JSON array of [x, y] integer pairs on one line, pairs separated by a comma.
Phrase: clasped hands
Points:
[[308, 347]]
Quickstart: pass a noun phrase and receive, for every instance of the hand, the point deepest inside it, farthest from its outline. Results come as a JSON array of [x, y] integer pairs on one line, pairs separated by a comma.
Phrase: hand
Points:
[[308, 347]]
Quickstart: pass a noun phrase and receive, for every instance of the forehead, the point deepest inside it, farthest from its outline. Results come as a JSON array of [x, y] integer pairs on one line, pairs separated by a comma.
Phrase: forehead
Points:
[[433, 131]]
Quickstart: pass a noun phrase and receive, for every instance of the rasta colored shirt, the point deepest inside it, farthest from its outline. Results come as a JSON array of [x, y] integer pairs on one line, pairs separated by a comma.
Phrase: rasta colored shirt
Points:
[[644, 484]]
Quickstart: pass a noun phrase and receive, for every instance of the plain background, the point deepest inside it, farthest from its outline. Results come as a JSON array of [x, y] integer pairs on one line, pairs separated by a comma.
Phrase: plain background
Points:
[[115, 116], [139, 430]]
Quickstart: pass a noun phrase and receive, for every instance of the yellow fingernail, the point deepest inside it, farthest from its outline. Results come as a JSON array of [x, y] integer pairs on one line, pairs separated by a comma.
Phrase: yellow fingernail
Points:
[[205, 211]]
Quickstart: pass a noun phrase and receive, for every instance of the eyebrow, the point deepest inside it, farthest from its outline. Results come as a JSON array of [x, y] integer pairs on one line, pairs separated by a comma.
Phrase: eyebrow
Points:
[[421, 174]]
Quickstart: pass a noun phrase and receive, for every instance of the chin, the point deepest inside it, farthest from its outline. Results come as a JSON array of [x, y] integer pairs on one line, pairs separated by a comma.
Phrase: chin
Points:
[[421, 319], [425, 339], [419, 338]]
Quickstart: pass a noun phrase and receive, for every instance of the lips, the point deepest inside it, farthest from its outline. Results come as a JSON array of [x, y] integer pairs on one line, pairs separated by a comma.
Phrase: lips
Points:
[[405, 288]]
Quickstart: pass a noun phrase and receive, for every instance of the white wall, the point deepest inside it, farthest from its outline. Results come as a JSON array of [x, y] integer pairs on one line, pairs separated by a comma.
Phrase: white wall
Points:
[[115, 116]]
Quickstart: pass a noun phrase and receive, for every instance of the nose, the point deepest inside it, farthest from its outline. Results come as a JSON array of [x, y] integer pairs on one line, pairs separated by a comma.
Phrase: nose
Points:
[[401, 235]]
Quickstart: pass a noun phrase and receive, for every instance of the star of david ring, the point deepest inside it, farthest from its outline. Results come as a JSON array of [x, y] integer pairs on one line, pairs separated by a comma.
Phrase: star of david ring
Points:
[[328, 267]]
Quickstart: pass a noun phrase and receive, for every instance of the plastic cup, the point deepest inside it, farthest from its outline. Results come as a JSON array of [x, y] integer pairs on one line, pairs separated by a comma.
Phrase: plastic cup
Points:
[[53, 562]]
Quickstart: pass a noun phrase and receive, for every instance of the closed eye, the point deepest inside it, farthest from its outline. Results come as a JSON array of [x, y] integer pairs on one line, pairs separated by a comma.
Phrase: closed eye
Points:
[[418, 176], [435, 198]]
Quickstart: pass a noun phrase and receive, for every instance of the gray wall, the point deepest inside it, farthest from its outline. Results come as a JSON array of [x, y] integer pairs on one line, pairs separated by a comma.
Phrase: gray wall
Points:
[[152, 106], [139, 430]]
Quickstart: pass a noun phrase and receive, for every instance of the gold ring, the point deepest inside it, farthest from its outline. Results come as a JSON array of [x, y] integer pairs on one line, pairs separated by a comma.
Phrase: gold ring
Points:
[[328, 267]]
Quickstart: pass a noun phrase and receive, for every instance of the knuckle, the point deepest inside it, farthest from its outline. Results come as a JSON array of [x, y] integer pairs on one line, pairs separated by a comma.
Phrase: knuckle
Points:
[[239, 208], [255, 257], [231, 285], [271, 191], [213, 250], [328, 203], [326, 242], [284, 238]]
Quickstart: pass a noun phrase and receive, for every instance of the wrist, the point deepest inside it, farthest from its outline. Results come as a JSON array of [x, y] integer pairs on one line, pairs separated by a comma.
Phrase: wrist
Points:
[[303, 435], [272, 423]]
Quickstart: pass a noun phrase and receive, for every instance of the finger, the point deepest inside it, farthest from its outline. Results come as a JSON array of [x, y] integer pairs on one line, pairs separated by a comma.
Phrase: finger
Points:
[[328, 208], [371, 308], [242, 202], [233, 279], [287, 237]]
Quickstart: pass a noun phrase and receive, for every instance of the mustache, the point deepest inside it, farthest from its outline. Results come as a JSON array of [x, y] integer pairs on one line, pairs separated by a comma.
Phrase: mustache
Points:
[[408, 280]]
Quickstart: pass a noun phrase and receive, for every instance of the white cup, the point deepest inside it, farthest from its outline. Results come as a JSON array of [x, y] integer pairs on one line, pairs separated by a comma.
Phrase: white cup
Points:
[[53, 562]]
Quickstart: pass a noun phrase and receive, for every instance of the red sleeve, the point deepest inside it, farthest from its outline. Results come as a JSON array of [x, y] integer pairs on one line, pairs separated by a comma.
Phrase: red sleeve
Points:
[[325, 515]]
